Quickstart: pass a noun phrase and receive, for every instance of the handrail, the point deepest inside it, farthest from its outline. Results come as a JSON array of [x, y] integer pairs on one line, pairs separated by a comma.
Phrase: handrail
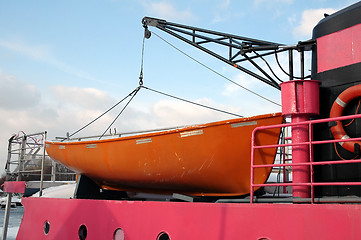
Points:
[[121, 134], [311, 163]]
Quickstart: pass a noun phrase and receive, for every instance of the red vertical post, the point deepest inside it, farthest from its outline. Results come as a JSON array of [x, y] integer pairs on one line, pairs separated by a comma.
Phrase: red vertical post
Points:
[[10, 188], [300, 154], [300, 100]]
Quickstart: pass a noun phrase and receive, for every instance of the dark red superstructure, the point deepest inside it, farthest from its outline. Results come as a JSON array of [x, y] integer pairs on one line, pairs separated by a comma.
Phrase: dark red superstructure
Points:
[[337, 64], [339, 49]]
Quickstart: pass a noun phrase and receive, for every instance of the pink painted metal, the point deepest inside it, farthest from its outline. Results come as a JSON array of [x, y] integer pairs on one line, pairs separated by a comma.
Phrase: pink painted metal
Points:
[[300, 154], [309, 164], [300, 100], [300, 97], [211, 221], [14, 187], [347, 52]]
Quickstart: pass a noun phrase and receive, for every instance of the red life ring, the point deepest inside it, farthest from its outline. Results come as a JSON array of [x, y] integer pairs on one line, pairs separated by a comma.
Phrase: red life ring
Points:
[[338, 106]]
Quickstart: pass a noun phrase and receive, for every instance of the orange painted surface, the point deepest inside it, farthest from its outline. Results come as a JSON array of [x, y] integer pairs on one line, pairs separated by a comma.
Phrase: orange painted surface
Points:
[[209, 159]]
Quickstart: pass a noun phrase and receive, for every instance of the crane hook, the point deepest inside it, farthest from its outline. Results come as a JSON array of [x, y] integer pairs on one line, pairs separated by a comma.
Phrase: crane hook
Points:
[[147, 33]]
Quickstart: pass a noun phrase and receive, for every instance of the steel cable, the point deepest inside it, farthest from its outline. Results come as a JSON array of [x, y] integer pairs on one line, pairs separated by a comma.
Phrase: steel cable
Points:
[[133, 95], [214, 71], [185, 100], [137, 89]]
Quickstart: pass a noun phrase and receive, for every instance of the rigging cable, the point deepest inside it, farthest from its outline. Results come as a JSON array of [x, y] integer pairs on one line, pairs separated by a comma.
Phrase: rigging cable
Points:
[[258, 55], [214, 71], [279, 65], [172, 96], [130, 94], [135, 91], [142, 63], [133, 95], [198, 104]]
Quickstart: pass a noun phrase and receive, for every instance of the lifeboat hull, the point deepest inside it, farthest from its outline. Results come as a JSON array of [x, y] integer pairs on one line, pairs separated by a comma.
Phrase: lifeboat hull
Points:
[[203, 160]]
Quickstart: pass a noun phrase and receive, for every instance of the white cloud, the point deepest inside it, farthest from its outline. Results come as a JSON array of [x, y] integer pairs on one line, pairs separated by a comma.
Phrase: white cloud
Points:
[[22, 108], [309, 20], [251, 103], [175, 113], [16, 94], [42, 53], [39, 52], [76, 107], [86, 98], [166, 10], [71, 108], [243, 80]]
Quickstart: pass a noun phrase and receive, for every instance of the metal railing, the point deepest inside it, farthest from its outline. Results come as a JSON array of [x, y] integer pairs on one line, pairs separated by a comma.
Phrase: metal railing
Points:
[[114, 134], [310, 143], [27, 160]]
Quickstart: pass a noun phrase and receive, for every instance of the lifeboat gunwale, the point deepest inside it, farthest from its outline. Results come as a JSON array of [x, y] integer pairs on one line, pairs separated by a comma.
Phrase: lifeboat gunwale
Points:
[[177, 130]]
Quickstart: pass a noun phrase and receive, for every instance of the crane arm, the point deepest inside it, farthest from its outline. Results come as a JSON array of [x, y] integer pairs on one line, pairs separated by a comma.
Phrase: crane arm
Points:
[[239, 47]]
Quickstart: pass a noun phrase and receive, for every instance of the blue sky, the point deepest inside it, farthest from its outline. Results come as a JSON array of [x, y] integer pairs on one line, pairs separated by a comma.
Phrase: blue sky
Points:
[[62, 63]]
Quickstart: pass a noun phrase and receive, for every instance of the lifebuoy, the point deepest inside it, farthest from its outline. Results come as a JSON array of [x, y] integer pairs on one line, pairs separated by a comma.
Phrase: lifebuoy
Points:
[[338, 106]]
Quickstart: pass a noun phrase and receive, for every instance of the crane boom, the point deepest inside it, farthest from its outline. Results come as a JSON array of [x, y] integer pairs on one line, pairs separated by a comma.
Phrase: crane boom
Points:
[[239, 48]]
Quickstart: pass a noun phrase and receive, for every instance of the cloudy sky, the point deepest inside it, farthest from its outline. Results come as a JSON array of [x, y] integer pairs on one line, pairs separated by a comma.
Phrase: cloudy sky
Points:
[[63, 63]]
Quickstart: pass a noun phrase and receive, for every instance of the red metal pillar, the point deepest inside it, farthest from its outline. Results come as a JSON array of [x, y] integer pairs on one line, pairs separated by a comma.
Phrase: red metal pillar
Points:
[[10, 188], [300, 154], [300, 100]]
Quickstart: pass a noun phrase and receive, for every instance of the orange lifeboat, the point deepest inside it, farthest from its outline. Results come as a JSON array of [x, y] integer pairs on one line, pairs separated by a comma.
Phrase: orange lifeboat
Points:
[[203, 160]]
